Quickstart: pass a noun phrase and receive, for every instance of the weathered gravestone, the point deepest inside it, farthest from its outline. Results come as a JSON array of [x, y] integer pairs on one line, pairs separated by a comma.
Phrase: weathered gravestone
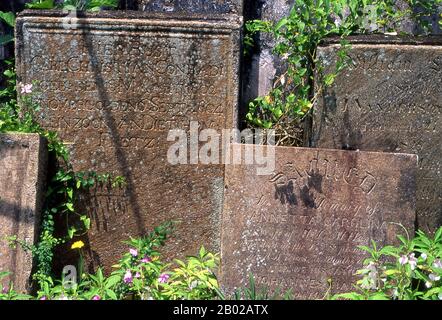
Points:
[[301, 225], [389, 99], [113, 87], [187, 6], [23, 160]]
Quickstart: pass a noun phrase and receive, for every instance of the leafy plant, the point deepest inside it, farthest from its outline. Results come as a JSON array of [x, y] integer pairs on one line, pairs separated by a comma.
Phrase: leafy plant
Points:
[[88, 5], [8, 293], [252, 292], [409, 271], [140, 274], [9, 19], [297, 38]]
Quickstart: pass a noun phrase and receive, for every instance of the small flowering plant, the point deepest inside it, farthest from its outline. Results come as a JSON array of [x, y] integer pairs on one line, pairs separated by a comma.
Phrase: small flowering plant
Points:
[[140, 269], [192, 280], [409, 271], [144, 276], [8, 292]]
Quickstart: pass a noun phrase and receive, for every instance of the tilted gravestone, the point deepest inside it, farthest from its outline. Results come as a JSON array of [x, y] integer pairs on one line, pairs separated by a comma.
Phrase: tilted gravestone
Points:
[[113, 86], [23, 160], [299, 227], [389, 99], [187, 6]]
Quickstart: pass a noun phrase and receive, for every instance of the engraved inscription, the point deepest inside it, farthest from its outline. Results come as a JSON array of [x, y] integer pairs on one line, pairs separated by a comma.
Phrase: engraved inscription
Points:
[[389, 100], [112, 89], [307, 220]]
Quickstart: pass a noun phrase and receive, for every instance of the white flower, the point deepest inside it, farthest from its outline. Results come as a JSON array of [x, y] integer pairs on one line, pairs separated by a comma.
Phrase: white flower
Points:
[[193, 285], [403, 260], [434, 277], [372, 267], [428, 284], [437, 264], [424, 256], [440, 296], [412, 261], [26, 88], [395, 293]]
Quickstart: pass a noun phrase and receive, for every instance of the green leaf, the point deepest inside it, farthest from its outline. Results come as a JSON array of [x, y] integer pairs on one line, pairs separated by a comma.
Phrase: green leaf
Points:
[[379, 296], [42, 4], [329, 79], [70, 206], [112, 281], [8, 17], [71, 232], [97, 4], [348, 296], [281, 24], [392, 272], [86, 221], [111, 294], [438, 235]]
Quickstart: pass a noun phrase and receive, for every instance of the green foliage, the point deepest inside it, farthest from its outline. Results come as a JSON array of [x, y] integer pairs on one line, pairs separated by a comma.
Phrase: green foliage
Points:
[[9, 19], [251, 292], [140, 275], [88, 5], [297, 38], [193, 279], [409, 271], [8, 293]]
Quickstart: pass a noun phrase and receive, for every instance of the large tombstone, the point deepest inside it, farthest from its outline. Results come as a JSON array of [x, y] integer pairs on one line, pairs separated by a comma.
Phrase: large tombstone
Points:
[[113, 86], [389, 99], [300, 226], [23, 160], [187, 6]]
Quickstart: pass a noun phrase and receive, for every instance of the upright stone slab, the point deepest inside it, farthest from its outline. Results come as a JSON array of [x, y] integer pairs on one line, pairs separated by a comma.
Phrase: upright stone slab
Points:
[[23, 160], [113, 87], [300, 226], [261, 66], [187, 6], [390, 99]]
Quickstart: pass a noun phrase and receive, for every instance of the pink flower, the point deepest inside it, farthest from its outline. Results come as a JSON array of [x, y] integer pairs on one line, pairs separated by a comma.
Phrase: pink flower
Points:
[[128, 277], [412, 261], [26, 88], [146, 259], [5, 290], [96, 298], [43, 298], [434, 277], [437, 264], [133, 252], [403, 260], [137, 275], [163, 278]]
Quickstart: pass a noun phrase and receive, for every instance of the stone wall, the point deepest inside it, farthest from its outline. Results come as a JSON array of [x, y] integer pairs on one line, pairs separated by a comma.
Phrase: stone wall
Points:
[[23, 164]]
